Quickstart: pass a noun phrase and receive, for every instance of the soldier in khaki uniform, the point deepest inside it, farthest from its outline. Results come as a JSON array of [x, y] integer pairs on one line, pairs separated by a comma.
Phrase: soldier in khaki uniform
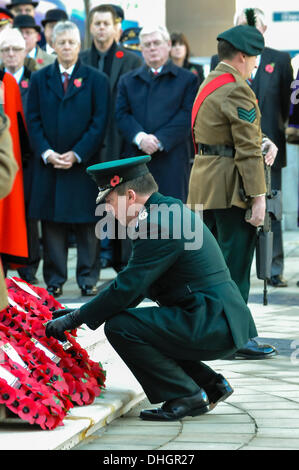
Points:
[[228, 172], [8, 169]]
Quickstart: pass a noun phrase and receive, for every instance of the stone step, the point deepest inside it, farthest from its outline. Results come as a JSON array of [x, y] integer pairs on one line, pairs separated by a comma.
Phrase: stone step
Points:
[[122, 393]]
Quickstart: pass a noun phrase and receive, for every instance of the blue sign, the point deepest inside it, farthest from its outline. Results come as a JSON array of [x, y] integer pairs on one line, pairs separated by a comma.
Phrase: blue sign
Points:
[[286, 16]]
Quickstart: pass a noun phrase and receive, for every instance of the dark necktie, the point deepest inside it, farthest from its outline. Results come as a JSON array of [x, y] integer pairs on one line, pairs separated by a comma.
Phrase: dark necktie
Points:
[[66, 81], [101, 62]]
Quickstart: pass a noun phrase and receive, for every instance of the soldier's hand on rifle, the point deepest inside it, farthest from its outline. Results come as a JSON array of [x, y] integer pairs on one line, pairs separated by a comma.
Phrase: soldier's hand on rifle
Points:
[[258, 210], [270, 150]]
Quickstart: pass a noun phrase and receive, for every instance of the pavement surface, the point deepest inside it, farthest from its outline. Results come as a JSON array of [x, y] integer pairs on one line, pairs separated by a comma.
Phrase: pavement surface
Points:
[[262, 413]]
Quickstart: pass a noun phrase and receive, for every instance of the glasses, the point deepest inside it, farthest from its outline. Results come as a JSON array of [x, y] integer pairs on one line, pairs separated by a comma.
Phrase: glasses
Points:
[[6, 50], [156, 43]]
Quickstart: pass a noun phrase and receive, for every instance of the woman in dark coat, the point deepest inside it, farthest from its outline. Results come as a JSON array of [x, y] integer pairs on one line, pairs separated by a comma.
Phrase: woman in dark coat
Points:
[[180, 54]]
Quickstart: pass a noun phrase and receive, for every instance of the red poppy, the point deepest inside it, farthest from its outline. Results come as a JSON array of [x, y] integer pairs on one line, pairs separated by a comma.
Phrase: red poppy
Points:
[[40, 61], [119, 54], [27, 410], [78, 82], [24, 84], [114, 181], [7, 393], [269, 68]]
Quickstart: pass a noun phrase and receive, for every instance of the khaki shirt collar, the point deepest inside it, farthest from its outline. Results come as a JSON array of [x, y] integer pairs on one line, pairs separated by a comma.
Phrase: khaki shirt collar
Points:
[[224, 67]]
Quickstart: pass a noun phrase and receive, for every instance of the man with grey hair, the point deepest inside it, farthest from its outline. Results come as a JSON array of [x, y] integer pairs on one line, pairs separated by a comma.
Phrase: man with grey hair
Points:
[[271, 82], [67, 116], [153, 112]]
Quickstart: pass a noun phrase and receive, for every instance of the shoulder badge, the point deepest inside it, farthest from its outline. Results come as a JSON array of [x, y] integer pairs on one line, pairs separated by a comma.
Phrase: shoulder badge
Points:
[[246, 115]]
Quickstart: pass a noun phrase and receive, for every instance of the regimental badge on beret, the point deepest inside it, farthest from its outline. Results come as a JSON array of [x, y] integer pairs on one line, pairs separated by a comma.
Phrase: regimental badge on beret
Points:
[[143, 214]]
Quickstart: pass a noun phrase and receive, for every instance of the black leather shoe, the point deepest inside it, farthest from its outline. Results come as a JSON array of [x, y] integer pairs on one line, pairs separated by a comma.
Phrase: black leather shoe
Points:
[[178, 408], [55, 291], [105, 263], [277, 281], [218, 390], [253, 350], [89, 291]]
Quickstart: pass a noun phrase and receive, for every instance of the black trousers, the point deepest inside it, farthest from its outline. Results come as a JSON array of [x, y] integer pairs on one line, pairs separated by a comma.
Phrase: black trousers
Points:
[[55, 243], [164, 370]]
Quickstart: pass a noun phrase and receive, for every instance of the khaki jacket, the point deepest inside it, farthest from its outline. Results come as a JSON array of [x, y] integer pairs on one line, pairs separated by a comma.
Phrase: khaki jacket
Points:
[[228, 116], [8, 170], [41, 60]]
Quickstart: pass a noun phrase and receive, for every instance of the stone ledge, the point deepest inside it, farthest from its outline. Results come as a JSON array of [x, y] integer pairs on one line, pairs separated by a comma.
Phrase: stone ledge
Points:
[[122, 393]]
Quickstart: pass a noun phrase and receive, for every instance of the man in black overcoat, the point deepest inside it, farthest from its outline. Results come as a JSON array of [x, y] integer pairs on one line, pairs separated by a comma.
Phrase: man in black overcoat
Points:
[[67, 115], [114, 60], [153, 112]]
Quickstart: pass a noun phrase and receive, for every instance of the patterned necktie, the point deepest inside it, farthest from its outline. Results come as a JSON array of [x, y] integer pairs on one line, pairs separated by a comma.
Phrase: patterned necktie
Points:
[[66, 81]]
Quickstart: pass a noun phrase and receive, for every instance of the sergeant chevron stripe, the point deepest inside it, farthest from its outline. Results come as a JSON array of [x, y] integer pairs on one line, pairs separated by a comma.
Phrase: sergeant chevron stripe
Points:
[[249, 116]]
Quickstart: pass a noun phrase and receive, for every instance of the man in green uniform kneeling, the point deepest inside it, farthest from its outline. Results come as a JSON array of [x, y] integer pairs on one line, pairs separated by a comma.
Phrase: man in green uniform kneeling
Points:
[[176, 262]]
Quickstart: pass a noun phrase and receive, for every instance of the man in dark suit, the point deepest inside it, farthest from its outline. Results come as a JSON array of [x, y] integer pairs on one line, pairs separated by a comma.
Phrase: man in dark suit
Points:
[[106, 56], [153, 111], [272, 86], [200, 315], [67, 117], [114, 60]]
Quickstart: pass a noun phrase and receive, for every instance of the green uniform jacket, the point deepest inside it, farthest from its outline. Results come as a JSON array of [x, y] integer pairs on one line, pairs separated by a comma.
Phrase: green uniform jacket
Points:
[[228, 116], [8, 170], [192, 287]]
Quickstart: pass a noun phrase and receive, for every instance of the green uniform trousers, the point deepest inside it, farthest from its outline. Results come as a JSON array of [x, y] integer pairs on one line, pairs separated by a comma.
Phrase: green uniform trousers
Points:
[[237, 239], [164, 370]]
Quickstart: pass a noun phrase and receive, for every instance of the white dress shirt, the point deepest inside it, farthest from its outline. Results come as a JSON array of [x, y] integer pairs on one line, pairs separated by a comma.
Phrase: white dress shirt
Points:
[[48, 152]]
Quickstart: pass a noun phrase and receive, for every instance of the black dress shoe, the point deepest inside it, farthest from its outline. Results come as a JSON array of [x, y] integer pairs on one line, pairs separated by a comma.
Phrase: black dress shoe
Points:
[[178, 408], [253, 350], [277, 281], [89, 291], [105, 263], [55, 291], [218, 390]]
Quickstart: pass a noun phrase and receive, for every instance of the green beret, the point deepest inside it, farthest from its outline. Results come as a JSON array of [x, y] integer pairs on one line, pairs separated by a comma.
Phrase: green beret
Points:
[[244, 38], [111, 174]]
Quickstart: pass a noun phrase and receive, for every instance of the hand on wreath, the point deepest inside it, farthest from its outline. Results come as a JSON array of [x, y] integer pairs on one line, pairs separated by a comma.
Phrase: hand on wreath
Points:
[[61, 312], [57, 327]]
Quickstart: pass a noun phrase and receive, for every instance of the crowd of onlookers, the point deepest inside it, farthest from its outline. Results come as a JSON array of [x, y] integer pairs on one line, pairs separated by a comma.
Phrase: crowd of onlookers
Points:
[[129, 93], [72, 114]]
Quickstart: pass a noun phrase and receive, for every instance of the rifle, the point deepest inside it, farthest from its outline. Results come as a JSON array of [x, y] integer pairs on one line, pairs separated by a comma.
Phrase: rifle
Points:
[[264, 243]]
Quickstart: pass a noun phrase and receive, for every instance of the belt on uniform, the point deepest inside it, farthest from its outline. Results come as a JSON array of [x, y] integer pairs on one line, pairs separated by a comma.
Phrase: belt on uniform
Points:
[[184, 290], [221, 150]]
